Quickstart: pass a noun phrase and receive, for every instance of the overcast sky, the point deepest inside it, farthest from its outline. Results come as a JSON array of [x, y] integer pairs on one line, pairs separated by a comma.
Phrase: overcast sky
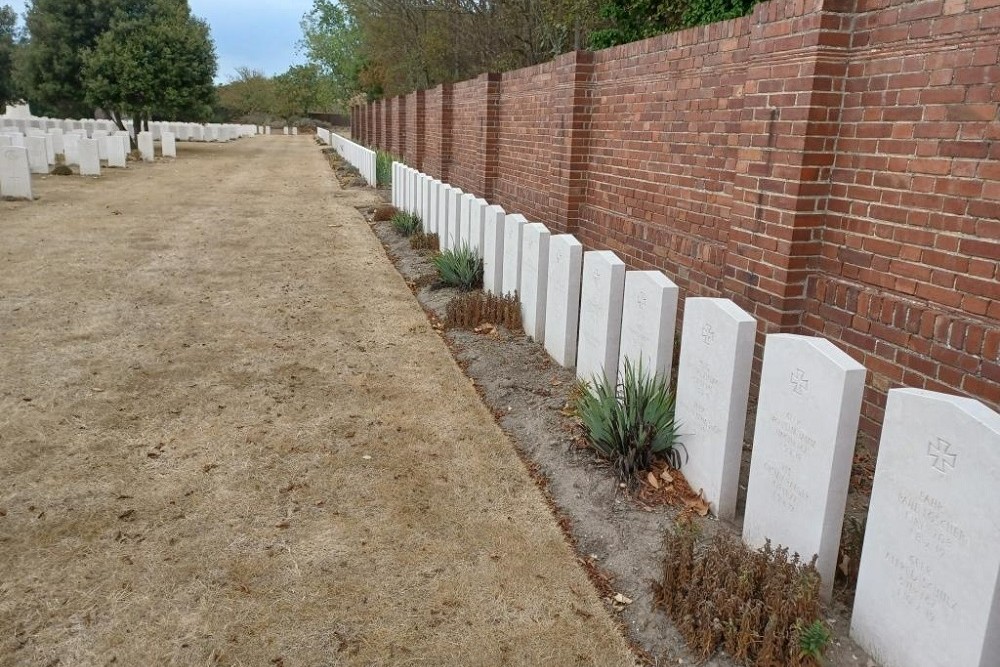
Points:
[[261, 34]]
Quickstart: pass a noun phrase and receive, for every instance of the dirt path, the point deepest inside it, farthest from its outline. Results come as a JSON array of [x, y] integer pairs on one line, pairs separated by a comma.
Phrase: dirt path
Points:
[[229, 436]]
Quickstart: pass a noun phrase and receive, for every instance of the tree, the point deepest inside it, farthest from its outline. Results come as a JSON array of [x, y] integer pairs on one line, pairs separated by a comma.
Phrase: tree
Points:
[[8, 51], [332, 41], [301, 89], [249, 92], [59, 33], [155, 60], [632, 20]]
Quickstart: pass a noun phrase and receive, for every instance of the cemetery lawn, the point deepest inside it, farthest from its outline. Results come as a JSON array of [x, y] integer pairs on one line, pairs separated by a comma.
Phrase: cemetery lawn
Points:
[[230, 436]]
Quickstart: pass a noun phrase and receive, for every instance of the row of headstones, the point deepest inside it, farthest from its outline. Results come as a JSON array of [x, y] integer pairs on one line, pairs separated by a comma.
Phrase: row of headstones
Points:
[[289, 131], [361, 158], [37, 149], [211, 132], [932, 543]]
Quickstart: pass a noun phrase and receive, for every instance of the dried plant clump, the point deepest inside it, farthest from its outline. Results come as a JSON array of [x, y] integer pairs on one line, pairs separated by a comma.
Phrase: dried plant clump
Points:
[[384, 212], [473, 309], [61, 170], [421, 241], [761, 606]]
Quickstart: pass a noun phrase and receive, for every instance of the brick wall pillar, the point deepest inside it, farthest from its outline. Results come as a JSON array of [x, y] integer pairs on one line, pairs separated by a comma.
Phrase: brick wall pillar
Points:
[[415, 137], [369, 124], [445, 136], [788, 130], [572, 102], [399, 139], [388, 124]]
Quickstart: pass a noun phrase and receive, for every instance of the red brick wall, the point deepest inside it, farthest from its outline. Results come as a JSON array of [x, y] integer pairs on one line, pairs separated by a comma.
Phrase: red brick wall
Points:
[[524, 142], [907, 279], [663, 151], [413, 151], [437, 127], [831, 165], [473, 131]]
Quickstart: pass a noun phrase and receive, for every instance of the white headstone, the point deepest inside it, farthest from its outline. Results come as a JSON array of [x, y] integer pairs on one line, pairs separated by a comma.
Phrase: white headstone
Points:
[[928, 591], [713, 383], [56, 139], [168, 144], [146, 146], [15, 174], [454, 201], [477, 224], [465, 220], [562, 301], [534, 279], [90, 158], [601, 299], [513, 234], [71, 143], [101, 144], [425, 202], [494, 221], [295, 131], [37, 158], [115, 150], [441, 214], [434, 208], [649, 317], [807, 422]]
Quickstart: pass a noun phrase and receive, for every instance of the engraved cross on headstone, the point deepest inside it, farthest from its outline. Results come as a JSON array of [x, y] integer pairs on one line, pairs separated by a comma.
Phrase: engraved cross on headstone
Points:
[[800, 383], [940, 451], [708, 334]]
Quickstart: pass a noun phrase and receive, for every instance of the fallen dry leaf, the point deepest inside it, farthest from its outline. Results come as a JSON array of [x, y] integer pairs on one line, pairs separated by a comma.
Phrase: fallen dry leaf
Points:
[[653, 481]]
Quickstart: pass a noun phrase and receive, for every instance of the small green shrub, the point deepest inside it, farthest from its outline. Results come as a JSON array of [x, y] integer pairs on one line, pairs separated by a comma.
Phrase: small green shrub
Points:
[[813, 639], [630, 422], [406, 224], [461, 268], [383, 168]]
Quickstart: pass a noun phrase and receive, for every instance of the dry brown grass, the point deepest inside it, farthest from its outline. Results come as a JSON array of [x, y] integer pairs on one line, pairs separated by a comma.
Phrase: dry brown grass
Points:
[[750, 602], [230, 437]]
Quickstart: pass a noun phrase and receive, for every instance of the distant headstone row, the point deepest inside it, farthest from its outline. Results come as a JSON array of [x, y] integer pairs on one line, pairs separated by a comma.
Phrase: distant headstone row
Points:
[[34, 145], [358, 156], [932, 547]]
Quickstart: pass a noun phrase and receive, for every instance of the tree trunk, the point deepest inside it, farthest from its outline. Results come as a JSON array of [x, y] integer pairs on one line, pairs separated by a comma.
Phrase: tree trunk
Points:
[[136, 129]]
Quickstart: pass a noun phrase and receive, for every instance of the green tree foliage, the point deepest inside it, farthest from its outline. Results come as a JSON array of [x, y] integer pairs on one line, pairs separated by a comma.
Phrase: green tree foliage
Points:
[[333, 42], [60, 33], [8, 52], [632, 20], [302, 89], [156, 59], [252, 94], [702, 12], [389, 47]]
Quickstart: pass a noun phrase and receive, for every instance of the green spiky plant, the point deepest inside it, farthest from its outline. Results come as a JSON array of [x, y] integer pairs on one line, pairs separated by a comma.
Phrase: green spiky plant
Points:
[[383, 168], [630, 422], [813, 639], [406, 224], [461, 267]]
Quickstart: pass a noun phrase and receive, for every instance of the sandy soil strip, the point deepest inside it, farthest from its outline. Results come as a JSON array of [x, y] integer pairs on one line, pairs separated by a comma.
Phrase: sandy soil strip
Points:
[[229, 436]]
